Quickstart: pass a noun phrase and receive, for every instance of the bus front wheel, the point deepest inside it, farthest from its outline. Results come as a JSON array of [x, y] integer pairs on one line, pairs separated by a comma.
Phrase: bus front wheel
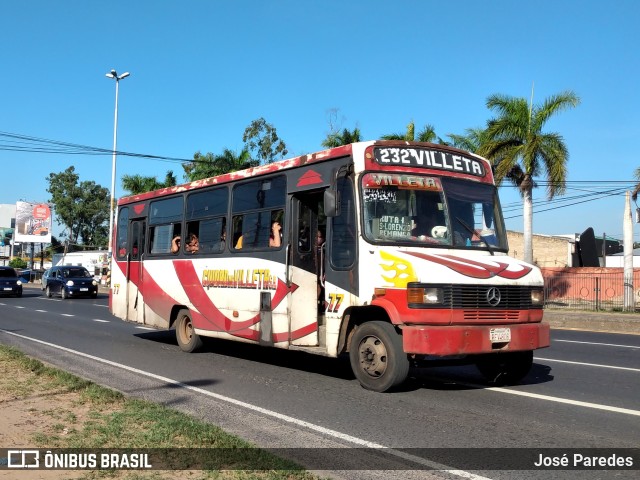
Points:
[[377, 358], [188, 340], [505, 368]]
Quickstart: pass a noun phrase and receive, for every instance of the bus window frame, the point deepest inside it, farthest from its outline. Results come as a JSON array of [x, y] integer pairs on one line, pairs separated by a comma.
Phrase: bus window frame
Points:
[[193, 221], [274, 211]]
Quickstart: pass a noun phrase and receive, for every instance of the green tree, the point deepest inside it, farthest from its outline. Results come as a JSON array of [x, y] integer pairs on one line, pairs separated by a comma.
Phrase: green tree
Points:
[[471, 141], [427, 134], [210, 165], [82, 207], [136, 184], [261, 139], [18, 262], [336, 139], [521, 150]]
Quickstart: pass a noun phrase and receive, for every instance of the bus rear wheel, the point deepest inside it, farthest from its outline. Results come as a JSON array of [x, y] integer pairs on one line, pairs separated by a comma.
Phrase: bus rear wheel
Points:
[[188, 340], [505, 368], [377, 358]]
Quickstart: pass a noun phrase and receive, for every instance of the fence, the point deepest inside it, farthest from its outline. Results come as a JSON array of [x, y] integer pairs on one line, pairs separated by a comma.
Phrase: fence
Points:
[[589, 288]]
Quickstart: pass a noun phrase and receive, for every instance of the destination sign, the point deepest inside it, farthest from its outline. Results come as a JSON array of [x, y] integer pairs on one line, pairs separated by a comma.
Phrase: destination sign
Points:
[[422, 158]]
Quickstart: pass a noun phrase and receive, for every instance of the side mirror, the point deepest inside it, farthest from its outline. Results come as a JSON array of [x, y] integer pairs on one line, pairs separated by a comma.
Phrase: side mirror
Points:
[[331, 203]]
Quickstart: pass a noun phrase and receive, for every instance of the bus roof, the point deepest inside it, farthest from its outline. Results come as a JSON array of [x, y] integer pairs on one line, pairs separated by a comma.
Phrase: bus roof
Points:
[[290, 163]]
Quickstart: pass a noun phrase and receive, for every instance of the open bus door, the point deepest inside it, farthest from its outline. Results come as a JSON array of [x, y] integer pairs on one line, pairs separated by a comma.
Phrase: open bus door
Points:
[[305, 320], [134, 292]]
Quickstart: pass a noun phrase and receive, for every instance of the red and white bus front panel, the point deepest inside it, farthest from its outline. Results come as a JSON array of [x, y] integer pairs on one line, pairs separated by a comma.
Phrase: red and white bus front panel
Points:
[[453, 302]]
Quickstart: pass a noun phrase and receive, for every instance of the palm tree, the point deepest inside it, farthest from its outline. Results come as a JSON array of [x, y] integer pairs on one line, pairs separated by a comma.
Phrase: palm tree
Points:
[[636, 190], [520, 150], [471, 141], [427, 134], [336, 139], [229, 161], [210, 165], [136, 184]]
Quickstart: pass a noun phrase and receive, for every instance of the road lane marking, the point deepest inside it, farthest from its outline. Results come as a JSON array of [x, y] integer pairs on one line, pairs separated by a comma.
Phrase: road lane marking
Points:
[[597, 406], [42, 311], [596, 343], [264, 411], [144, 328], [19, 306], [589, 364], [67, 315], [101, 321]]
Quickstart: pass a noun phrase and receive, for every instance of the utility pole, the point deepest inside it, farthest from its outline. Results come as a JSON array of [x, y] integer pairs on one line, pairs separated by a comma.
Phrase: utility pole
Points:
[[629, 297]]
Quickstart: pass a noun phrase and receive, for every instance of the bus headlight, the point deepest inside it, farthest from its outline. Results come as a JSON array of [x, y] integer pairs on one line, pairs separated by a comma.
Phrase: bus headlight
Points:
[[537, 297], [425, 295]]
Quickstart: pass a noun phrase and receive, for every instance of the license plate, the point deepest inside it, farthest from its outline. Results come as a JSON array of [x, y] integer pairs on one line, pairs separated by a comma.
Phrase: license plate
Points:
[[84, 289], [500, 335], [7, 288]]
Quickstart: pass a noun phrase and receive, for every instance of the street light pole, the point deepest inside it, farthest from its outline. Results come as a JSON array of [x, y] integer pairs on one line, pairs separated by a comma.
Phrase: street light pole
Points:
[[113, 74]]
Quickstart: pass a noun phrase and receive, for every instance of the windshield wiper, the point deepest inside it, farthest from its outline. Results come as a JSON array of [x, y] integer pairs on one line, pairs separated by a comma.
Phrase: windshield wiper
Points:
[[473, 232]]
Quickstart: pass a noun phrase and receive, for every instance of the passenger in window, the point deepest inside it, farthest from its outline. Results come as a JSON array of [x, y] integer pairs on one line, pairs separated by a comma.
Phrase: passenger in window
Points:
[[275, 238], [175, 244], [303, 239], [192, 245], [223, 239]]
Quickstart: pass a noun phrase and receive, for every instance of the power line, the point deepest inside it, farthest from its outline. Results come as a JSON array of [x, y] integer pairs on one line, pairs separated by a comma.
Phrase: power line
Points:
[[29, 144], [561, 200], [24, 143]]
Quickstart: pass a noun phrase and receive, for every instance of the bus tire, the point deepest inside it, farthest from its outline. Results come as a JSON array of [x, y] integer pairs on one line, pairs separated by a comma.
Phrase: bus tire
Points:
[[377, 358], [188, 340], [505, 368]]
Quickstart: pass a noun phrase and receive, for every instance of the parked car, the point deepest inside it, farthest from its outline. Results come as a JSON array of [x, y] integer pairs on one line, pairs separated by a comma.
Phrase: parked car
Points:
[[68, 281], [10, 283]]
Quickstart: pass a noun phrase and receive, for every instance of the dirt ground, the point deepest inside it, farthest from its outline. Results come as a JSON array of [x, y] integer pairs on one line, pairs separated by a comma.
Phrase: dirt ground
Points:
[[24, 417]]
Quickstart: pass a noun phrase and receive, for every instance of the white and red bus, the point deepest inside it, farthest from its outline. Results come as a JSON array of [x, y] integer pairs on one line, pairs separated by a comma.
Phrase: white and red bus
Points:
[[392, 252]]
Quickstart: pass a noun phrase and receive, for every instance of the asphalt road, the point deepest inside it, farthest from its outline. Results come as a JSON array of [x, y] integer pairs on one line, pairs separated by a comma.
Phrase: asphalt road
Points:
[[582, 393]]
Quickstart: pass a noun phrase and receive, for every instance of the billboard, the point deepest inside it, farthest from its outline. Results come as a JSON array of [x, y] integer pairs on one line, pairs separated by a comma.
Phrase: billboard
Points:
[[33, 222]]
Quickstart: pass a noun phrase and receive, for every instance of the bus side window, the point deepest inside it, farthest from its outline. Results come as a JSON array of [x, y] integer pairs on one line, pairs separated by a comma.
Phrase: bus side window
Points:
[[161, 237], [343, 236], [123, 221], [209, 234]]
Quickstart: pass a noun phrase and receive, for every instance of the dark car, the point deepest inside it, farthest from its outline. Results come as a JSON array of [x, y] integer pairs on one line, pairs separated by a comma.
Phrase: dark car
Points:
[[43, 280], [10, 283], [70, 282]]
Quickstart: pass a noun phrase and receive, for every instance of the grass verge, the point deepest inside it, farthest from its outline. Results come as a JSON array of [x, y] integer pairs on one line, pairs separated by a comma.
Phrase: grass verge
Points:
[[61, 410]]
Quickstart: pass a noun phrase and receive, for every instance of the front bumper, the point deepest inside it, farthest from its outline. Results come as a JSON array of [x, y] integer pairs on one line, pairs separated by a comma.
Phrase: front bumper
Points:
[[81, 291], [13, 290], [472, 339]]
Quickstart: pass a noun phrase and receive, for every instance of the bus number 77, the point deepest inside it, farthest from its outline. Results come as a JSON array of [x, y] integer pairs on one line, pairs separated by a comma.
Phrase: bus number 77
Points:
[[335, 300]]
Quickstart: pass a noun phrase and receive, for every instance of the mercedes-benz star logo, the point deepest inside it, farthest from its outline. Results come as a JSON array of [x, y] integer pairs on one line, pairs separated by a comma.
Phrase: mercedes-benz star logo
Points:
[[493, 296]]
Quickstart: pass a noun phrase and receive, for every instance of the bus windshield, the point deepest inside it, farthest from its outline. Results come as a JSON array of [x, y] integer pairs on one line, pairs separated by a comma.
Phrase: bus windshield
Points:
[[431, 211]]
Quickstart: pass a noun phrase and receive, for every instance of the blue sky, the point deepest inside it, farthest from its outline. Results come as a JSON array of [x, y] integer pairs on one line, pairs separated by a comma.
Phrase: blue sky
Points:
[[201, 71]]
